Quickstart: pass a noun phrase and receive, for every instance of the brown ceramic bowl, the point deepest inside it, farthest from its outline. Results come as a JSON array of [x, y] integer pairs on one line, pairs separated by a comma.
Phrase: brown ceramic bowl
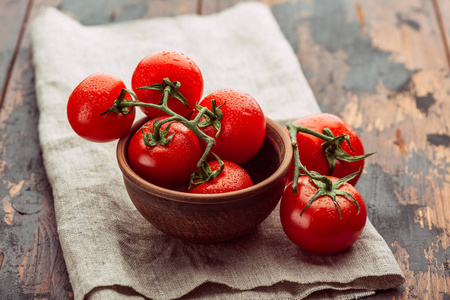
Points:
[[213, 218]]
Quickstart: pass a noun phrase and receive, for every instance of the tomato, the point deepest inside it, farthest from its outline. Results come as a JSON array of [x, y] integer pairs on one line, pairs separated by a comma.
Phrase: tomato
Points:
[[169, 165], [92, 97], [243, 125], [313, 157], [320, 229], [232, 178], [176, 66]]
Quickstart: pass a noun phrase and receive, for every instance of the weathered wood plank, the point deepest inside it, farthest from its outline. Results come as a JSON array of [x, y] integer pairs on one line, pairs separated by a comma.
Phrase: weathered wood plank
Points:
[[208, 7], [381, 65], [107, 11], [442, 8], [29, 239], [33, 265], [12, 14]]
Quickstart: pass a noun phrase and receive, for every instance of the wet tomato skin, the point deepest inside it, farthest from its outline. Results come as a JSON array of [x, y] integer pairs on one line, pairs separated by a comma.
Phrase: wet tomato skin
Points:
[[319, 229], [243, 125], [90, 98], [232, 178], [167, 166], [176, 66]]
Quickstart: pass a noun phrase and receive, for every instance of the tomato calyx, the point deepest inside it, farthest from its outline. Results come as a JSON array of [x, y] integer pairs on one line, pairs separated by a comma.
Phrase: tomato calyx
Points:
[[117, 108], [212, 117], [333, 150], [204, 172], [169, 87], [331, 145], [156, 136], [325, 186]]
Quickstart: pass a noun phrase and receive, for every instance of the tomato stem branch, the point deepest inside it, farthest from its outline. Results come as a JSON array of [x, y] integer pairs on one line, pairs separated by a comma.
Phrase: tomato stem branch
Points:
[[293, 130], [325, 187], [170, 89], [331, 146]]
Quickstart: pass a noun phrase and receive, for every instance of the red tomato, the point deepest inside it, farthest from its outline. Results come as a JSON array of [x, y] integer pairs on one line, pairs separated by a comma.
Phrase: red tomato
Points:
[[243, 126], [168, 166], [232, 178], [319, 229], [93, 96], [312, 155], [176, 66]]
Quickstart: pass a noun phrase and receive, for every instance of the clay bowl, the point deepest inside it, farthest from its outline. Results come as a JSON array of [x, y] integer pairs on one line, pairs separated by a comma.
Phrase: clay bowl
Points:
[[217, 217]]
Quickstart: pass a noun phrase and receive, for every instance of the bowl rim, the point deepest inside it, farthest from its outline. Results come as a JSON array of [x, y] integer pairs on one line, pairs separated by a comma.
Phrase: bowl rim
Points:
[[191, 198]]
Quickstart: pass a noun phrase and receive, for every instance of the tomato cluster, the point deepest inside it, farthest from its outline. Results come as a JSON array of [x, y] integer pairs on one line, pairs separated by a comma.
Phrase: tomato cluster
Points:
[[201, 144], [190, 141], [321, 211]]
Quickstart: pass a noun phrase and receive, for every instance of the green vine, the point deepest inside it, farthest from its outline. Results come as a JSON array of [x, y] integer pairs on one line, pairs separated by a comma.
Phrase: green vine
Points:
[[332, 146], [325, 187], [170, 89]]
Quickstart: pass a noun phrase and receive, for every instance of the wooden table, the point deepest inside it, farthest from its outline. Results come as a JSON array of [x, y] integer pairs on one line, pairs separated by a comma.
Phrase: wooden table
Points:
[[381, 65]]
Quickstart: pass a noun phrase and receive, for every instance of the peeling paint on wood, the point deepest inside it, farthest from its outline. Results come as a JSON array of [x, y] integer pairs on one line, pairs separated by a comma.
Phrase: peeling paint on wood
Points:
[[12, 14], [439, 139], [399, 142], [26, 196]]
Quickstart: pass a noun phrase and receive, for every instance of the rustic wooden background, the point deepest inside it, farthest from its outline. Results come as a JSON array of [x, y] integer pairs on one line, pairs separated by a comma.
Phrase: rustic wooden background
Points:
[[381, 65]]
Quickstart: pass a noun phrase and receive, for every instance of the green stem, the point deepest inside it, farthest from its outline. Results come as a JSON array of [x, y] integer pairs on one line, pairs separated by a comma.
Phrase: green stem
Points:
[[293, 130], [303, 129], [325, 187], [190, 124], [331, 146]]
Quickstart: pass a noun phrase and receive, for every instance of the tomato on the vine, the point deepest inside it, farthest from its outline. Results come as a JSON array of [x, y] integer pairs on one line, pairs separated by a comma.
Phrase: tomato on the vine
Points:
[[321, 228], [175, 66], [232, 178], [170, 162], [89, 100], [243, 125], [312, 153]]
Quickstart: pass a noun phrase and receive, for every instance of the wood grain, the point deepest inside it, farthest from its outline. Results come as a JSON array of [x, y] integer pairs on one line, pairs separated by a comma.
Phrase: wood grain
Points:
[[29, 241], [442, 10], [12, 14], [107, 11]]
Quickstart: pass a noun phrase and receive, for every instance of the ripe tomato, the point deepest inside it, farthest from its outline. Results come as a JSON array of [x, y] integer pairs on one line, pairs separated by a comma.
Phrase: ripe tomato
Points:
[[313, 157], [176, 66], [168, 166], [232, 178], [243, 125], [319, 229], [92, 97]]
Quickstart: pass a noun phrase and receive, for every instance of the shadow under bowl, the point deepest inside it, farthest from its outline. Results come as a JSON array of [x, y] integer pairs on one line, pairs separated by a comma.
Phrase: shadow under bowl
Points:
[[213, 218]]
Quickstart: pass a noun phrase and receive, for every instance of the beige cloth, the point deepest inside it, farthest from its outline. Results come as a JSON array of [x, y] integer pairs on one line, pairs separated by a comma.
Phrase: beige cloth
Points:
[[111, 252]]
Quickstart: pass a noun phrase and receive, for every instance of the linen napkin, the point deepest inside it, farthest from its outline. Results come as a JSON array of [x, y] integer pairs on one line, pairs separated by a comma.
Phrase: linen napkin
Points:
[[111, 252]]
